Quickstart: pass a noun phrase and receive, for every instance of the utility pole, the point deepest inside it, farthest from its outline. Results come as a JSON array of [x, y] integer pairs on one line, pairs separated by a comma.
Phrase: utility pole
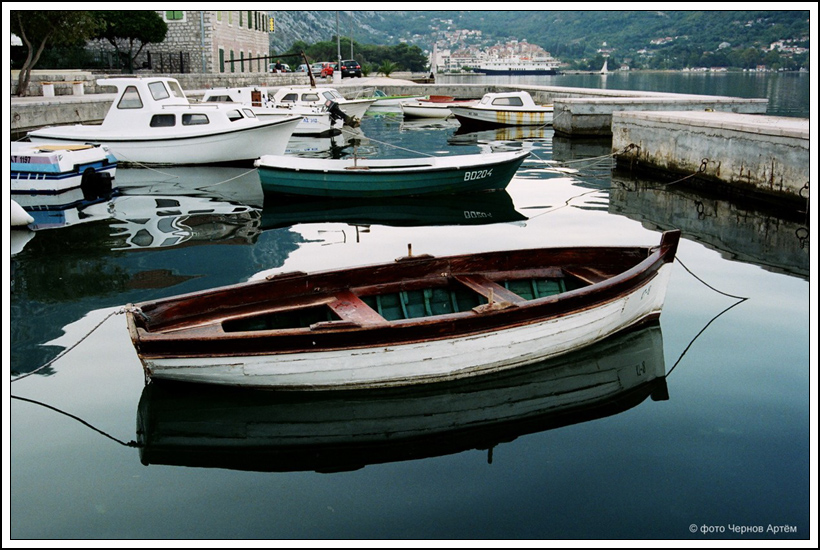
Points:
[[337, 75]]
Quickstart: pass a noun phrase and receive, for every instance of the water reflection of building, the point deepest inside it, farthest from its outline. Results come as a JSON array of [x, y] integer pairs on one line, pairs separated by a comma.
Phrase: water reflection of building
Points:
[[737, 232]]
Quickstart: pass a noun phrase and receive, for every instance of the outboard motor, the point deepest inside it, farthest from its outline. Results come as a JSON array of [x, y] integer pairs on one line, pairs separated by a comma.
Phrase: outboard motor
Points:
[[336, 113], [96, 185]]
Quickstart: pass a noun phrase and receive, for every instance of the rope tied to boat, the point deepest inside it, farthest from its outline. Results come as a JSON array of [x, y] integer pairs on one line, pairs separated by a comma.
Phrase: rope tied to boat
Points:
[[131, 443], [119, 311], [740, 300], [356, 135]]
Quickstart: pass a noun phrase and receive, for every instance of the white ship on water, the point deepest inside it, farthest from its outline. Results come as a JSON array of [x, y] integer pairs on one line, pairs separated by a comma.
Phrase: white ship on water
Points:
[[518, 66]]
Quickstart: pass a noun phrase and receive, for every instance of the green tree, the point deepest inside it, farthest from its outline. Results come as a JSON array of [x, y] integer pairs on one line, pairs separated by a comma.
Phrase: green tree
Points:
[[126, 30], [387, 67], [56, 28]]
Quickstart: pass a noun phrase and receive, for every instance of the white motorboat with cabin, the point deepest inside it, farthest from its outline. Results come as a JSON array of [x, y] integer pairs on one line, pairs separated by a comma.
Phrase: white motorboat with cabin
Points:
[[432, 108], [319, 96], [317, 120], [151, 121], [504, 109]]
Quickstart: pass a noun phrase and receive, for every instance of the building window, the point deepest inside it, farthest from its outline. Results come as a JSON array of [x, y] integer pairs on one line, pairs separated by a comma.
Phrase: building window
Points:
[[221, 60], [233, 69], [241, 62], [240, 19], [230, 18], [219, 17], [250, 19], [175, 16]]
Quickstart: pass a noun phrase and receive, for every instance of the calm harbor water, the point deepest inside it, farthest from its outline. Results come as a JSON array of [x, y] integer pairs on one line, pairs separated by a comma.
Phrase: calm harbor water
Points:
[[714, 443]]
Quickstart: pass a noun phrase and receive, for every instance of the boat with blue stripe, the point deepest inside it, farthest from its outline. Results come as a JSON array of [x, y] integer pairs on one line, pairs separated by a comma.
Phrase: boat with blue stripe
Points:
[[48, 169]]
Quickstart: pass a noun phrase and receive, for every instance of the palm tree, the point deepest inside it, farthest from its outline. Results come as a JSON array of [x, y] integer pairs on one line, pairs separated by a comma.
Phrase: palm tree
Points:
[[388, 67]]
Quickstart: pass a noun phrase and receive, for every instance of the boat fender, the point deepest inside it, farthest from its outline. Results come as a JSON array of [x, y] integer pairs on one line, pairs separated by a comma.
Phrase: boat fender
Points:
[[19, 216]]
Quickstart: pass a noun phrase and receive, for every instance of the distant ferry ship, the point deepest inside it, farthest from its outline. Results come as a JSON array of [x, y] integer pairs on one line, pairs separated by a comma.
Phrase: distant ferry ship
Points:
[[518, 66]]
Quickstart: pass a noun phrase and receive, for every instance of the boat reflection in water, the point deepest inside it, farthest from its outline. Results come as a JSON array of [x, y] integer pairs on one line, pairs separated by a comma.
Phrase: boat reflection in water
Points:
[[427, 124], [333, 147], [465, 209], [67, 208], [464, 136], [257, 430]]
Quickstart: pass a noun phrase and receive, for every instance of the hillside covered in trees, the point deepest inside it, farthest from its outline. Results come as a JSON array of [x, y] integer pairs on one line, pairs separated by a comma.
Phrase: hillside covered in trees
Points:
[[641, 39]]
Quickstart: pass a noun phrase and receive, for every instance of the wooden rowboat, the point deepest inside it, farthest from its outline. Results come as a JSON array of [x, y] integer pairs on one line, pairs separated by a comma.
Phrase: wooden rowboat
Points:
[[381, 178], [419, 319]]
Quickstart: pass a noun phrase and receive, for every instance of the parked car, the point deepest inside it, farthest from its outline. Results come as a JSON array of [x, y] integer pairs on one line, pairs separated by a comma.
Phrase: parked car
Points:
[[302, 68], [351, 68], [322, 68], [285, 68]]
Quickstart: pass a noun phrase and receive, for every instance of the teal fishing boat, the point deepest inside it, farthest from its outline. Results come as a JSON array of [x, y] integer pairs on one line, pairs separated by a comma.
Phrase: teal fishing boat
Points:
[[378, 178]]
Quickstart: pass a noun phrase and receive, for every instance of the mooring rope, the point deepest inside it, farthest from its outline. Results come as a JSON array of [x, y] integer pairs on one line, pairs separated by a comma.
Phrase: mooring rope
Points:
[[68, 349], [712, 320], [354, 135], [740, 300], [77, 418]]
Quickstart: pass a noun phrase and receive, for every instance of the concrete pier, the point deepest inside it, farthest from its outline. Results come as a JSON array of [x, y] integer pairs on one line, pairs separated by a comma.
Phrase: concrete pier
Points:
[[760, 156], [593, 116]]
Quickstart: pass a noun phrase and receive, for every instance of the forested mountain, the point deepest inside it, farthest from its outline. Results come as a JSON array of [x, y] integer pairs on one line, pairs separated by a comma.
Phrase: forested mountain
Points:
[[656, 39]]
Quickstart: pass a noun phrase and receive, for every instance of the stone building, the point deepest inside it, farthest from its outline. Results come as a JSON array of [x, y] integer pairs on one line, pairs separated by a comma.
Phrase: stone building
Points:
[[211, 42]]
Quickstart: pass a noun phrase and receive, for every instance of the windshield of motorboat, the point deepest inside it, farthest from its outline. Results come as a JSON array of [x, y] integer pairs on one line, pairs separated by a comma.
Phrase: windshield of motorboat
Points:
[[158, 90], [311, 97], [219, 99], [249, 113], [130, 99], [485, 100], [176, 91], [512, 101], [333, 95]]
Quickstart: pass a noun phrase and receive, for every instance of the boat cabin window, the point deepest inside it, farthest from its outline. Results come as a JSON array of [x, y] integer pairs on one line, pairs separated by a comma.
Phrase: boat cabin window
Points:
[[290, 97], [162, 121], [234, 115], [249, 113], [514, 101], [130, 99], [334, 95], [310, 97], [194, 119], [220, 99], [176, 91], [158, 90]]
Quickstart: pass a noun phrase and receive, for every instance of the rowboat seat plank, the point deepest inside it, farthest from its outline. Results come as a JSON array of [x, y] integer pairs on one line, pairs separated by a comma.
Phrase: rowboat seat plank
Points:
[[350, 307], [483, 285], [587, 274]]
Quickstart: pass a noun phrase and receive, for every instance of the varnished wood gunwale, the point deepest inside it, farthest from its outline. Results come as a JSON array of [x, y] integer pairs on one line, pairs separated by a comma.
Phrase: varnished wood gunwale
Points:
[[160, 330]]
